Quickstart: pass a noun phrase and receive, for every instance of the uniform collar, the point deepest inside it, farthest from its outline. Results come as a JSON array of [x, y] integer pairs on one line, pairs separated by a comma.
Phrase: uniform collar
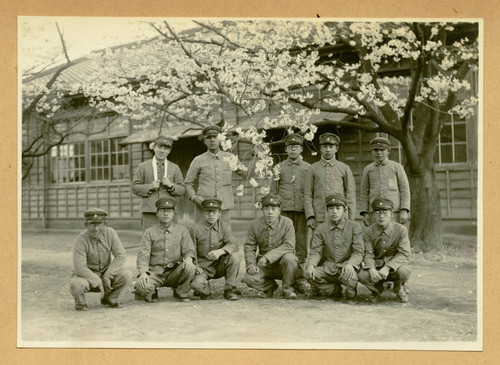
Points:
[[274, 225], [381, 163], [328, 162], [208, 226], [212, 155], [168, 229], [388, 230], [340, 225], [297, 162]]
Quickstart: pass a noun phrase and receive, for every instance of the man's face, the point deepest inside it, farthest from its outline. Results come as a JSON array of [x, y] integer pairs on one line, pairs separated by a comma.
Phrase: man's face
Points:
[[212, 142], [94, 229], [293, 151], [211, 216], [328, 151], [336, 212], [165, 215], [383, 217], [380, 154], [161, 151], [271, 213]]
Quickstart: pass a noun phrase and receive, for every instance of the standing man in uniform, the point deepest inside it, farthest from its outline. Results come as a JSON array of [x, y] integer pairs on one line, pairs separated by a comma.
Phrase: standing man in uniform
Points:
[[290, 187], [338, 245], [384, 178], [166, 256], [217, 252], [325, 177], [98, 263], [273, 237], [214, 176], [387, 253], [155, 179]]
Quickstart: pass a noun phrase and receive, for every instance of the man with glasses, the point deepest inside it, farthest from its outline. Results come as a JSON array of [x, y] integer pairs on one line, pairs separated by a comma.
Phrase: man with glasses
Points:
[[155, 179], [98, 262], [166, 256], [387, 253], [336, 253], [289, 185], [217, 252]]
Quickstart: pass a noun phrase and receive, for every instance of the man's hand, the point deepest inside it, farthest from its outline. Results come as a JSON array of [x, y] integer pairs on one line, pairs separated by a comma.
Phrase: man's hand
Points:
[[143, 280], [215, 254], [311, 223], [253, 269], [101, 288], [384, 272], [106, 282], [199, 270], [309, 272], [366, 219], [262, 261], [188, 264], [374, 275], [198, 201], [348, 272], [154, 185], [166, 181], [403, 216]]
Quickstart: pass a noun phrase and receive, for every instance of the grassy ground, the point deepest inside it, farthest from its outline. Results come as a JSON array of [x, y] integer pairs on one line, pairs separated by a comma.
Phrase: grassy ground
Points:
[[442, 307]]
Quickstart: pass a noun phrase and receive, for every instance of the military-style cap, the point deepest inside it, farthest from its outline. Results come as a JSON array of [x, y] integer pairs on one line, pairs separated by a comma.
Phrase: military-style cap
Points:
[[294, 139], [335, 199], [211, 204], [380, 142], [329, 138], [271, 199], [211, 130], [165, 203], [95, 215], [164, 141], [382, 204]]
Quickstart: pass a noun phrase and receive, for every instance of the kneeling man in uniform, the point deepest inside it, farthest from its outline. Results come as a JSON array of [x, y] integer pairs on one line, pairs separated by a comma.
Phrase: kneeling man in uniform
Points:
[[166, 256], [336, 252], [273, 236], [217, 251], [387, 253], [98, 260]]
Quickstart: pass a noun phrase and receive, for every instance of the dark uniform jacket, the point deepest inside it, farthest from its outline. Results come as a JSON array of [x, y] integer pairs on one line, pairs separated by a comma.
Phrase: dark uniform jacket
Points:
[[208, 238], [389, 247], [335, 246], [91, 259], [290, 185], [163, 248], [272, 241]]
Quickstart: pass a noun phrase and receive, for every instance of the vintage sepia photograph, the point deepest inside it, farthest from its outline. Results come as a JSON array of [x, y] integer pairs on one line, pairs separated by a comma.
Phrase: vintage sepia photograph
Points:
[[269, 183]]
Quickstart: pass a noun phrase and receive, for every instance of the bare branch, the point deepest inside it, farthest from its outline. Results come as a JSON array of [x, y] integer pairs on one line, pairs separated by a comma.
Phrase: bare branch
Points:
[[63, 44]]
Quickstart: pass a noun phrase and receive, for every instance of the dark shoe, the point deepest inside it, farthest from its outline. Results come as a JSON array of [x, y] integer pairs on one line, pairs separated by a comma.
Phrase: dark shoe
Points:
[[402, 296], [337, 292], [290, 295], [181, 299], [231, 295], [374, 298], [350, 300], [81, 307], [205, 296], [406, 288], [106, 301], [303, 287], [270, 292]]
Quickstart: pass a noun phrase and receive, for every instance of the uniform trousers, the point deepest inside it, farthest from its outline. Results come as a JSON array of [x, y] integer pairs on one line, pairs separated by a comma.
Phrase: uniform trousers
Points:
[[175, 277], [284, 269], [226, 265], [79, 286], [325, 282], [399, 277]]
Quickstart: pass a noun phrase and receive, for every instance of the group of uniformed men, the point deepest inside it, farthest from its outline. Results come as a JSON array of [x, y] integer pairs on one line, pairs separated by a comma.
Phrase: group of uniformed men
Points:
[[320, 198]]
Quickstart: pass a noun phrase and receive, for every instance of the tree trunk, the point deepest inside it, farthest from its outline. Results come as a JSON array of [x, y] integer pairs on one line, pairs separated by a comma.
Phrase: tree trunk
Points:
[[425, 225]]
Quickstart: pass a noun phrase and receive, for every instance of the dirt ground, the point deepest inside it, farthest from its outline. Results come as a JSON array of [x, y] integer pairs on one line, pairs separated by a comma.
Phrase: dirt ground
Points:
[[442, 308]]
